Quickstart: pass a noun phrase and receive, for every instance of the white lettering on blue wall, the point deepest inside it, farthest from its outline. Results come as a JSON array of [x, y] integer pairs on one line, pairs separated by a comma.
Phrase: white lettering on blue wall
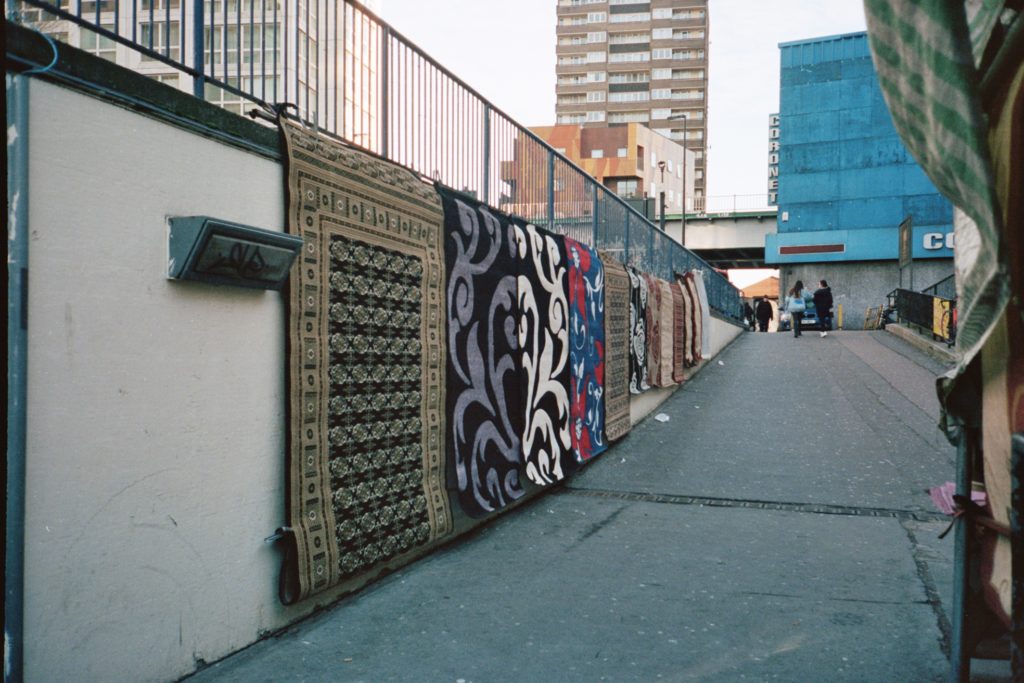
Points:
[[773, 159], [937, 240]]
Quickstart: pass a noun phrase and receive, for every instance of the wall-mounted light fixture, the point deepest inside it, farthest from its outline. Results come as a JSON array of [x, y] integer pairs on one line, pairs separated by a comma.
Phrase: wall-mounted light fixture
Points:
[[224, 253]]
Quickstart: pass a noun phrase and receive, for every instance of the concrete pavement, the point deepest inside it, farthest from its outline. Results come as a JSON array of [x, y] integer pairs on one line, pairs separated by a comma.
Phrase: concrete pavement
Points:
[[776, 528]]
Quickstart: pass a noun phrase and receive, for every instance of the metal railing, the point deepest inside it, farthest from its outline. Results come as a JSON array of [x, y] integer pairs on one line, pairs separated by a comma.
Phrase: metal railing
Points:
[[353, 76], [944, 288], [731, 203], [934, 314]]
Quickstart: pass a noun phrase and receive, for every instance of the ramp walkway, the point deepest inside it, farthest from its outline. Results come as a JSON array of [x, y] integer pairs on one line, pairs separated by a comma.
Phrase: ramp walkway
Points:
[[776, 527]]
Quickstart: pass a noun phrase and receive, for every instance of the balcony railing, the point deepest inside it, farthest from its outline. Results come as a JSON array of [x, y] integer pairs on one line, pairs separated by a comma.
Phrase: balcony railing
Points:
[[353, 76]]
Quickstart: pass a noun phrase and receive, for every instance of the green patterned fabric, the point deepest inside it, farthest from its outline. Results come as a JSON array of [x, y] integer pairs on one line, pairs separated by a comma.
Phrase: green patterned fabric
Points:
[[926, 67], [982, 17]]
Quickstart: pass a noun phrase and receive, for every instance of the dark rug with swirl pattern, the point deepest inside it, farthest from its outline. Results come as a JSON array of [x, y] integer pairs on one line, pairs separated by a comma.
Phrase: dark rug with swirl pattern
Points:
[[638, 331], [486, 471], [543, 329], [366, 361]]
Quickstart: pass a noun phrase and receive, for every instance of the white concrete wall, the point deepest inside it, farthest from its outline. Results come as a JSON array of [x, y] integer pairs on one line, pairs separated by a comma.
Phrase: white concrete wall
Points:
[[722, 334], [156, 428]]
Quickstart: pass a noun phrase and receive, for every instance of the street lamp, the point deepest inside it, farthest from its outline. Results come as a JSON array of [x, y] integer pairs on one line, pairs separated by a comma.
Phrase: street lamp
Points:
[[661, 197], [682, 214]]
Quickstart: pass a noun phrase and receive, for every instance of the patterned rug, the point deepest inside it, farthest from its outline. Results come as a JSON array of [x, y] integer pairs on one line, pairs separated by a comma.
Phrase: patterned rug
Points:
[[638, 332], [653, 330], [544, 352], [586, 350], [688, 327], [696, 319], [365, 366], [705, 311], [678, 313], [666, 317], [617, 348], [484, 399]]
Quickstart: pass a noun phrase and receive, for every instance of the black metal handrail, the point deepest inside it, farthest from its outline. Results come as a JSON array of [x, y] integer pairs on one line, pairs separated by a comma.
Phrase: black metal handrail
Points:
[[944, 288], [935, 314]]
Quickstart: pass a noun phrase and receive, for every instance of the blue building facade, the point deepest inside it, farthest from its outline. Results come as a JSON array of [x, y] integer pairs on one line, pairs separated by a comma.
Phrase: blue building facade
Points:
[[845, 180]]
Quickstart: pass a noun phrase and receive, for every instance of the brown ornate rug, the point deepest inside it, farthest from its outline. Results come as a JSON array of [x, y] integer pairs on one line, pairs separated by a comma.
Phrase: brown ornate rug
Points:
[[366, 362], [617, 346], [678, 313], [688, 328], [695, 317], [667, 340], [653, 330]]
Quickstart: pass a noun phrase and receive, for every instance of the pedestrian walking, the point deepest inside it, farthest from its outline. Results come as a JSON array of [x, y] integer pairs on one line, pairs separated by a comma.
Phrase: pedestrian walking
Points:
[[748, 315], [823, 305], [796, 304], [764, 313]]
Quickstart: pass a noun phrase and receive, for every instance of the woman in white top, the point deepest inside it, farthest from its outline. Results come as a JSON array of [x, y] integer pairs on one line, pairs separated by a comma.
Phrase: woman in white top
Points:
[[796, 304]]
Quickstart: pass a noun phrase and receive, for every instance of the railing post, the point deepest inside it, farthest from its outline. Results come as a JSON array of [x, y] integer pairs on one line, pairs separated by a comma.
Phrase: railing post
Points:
[[625, 245], [198, 50], [385, 115], [487, 154], [650, 252], [597, 207], [551, 190]]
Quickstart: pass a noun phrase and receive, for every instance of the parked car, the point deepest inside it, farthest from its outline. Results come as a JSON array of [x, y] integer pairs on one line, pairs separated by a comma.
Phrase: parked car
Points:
[[810, 320]]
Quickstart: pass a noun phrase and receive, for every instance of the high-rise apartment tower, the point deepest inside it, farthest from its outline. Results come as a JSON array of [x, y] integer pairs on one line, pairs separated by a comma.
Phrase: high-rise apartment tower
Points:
[[624, 61]]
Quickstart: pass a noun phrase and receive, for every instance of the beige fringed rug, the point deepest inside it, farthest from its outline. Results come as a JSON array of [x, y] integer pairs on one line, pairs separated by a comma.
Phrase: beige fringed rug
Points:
[[365, 367], [617, 346]]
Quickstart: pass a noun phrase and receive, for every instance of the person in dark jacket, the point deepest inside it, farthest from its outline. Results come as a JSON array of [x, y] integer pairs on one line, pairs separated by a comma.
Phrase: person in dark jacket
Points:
[[764, 313], [823, 305]]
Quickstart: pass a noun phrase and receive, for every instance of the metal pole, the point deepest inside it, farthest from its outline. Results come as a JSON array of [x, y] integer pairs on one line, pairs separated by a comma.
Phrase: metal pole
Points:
[[597, 207], [551, 190], [671, 263], [384, 85], [17, 380], [682, 211], [661, 195], [487, 154], [198, 50], [649, 262], [960, 656], [625, 243]]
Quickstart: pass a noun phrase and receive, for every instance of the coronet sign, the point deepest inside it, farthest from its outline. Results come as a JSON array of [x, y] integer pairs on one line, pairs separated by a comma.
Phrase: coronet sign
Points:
[[937, 240], [773, 159]]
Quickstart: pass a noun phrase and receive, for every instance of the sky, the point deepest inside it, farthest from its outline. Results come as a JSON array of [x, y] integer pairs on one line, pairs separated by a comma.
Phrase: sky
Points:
[[505, 50]]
